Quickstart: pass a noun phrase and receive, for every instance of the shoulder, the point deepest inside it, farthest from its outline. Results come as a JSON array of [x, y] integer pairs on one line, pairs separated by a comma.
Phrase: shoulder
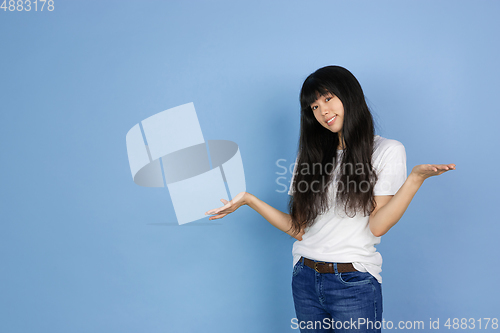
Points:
[[383, 146]]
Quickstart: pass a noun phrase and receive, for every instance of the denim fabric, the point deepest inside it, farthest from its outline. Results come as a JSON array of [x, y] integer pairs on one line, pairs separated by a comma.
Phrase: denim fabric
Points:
[[336, 302]]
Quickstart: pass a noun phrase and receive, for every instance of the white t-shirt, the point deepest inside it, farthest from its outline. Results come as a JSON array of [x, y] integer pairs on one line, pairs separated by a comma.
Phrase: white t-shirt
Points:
[[335, 237]]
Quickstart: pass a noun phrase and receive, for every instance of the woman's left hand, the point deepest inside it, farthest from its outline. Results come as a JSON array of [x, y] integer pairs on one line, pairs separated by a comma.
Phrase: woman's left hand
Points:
[[424, 171]]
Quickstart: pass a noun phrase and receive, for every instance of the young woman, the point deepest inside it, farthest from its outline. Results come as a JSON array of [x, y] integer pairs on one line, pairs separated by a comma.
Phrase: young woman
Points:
[[349, 188]]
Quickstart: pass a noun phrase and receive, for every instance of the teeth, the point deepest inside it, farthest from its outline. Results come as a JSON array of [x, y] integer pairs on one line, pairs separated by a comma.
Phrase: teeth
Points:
[[329, 121]]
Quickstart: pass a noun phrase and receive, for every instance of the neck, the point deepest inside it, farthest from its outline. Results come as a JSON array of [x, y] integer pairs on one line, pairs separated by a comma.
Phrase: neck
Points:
[[341, 141]]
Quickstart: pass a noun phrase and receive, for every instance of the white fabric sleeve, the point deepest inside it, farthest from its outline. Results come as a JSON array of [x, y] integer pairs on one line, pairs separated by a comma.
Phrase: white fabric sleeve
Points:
[[391, 171]]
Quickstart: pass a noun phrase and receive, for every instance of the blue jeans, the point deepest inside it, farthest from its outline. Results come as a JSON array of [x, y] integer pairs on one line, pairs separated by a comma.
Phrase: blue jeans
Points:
[[336, 302]]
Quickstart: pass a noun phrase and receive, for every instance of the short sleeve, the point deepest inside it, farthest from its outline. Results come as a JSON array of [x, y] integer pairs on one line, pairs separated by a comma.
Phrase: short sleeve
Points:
[[391, 171]]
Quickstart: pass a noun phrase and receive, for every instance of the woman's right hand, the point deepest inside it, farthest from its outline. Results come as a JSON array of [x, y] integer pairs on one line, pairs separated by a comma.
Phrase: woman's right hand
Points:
[[229, 206]]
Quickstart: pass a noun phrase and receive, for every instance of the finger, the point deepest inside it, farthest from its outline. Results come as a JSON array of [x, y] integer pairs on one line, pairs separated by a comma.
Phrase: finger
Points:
[[440, 167], [217, 217], [218, 210], [213, 211], [448, 166], [431, 167]]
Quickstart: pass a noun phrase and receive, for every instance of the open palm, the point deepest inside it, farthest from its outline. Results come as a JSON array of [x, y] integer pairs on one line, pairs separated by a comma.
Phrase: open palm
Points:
[[229, 206], [425, 171]]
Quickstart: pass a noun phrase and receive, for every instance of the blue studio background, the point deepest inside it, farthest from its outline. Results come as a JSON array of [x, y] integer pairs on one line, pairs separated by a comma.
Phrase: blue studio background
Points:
[[84, 249]]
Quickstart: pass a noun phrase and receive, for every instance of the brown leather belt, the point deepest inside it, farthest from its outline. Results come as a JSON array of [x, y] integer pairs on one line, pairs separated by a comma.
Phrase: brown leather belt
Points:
[[328, 267]]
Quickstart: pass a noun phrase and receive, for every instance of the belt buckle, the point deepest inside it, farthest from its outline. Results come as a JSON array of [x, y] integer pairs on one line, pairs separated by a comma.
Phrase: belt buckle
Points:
[[316, 265]]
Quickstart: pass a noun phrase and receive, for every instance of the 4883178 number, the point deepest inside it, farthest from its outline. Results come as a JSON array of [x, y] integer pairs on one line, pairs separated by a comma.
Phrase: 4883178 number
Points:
[[471, 323], [27, 5]]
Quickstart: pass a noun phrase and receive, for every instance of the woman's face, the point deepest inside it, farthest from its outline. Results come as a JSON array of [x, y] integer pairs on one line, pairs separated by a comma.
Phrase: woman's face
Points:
[[329, 112]]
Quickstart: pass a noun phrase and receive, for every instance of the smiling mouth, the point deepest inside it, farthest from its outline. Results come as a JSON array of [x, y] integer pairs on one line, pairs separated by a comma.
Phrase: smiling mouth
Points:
[[331, 120]]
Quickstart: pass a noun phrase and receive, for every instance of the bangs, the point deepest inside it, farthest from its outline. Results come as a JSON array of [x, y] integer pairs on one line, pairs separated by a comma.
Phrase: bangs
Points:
[[311, 91]]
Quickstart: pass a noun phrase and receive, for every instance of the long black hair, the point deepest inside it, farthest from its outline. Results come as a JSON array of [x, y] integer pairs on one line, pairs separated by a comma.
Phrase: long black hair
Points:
[[318, 147]]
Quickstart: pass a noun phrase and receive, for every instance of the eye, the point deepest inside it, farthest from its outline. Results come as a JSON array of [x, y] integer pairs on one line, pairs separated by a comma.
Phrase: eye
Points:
[[314, 107], [328, 99]]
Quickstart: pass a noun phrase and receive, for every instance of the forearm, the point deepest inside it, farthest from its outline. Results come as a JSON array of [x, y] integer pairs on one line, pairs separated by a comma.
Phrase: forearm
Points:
[[277, 218], [387, 216]]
